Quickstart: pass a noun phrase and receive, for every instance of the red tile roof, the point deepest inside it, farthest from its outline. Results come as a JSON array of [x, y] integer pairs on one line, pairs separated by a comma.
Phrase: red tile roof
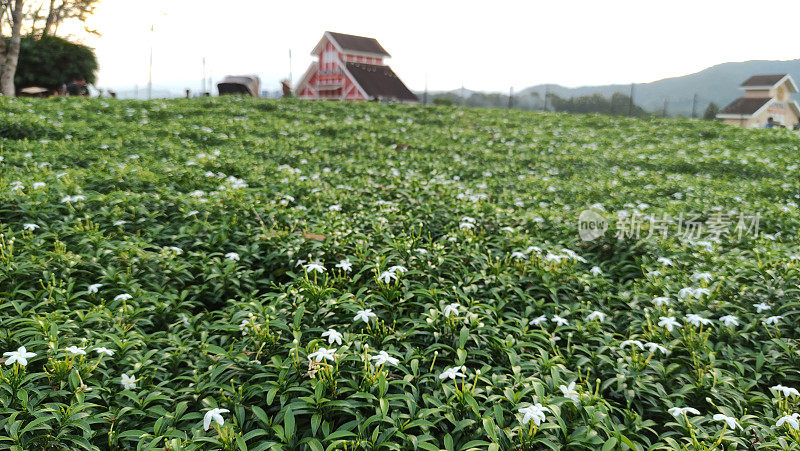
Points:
[[380, 82], [358, 43]]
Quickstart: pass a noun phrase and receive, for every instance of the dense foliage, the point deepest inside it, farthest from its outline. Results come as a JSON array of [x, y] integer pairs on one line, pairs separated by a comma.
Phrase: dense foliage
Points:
[[242, 274], [51, 62], [617, 104]]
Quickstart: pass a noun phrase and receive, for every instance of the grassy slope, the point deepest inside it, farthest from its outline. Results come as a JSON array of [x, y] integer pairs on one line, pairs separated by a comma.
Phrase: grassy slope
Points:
[[403, 178]]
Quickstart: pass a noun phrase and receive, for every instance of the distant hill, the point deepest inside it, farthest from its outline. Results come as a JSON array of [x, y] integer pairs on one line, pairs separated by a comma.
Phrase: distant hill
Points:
[[719, 84]]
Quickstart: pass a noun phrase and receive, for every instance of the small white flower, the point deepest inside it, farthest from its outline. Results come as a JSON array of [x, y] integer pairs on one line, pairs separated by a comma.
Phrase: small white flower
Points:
[[322, 353], [122, 297], [364, 315], [30, 226], [21, 356], [596, 315], [314, 267], [678, 411], [787, 391], [761, 307], [653, 347], [660, 301], [665, 261], [793, 420], [538, 321], [345, 265], [94, 288], [452, 373], [398, 269], [570, 392], [669, 322], [519, 256], [596, 271], [39, 185], [729, 321], [383, 358], [773, 320], [732, 423], [75, 350], [699, 292], [705, 276], [232, 256], [387, 276], [216, 415], [559, 320], [632, 343], [128, 382], [103, 350], [697, 320], [120, 222], [535, 413], [244, 325], [333, 336], [451, 309]]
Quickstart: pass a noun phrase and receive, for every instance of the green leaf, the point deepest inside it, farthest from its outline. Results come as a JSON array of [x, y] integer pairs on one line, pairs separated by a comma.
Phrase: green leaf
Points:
[[288, 424]]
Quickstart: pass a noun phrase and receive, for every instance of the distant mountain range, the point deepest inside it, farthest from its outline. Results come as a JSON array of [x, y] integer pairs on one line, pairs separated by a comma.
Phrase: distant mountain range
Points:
[[718, 84]]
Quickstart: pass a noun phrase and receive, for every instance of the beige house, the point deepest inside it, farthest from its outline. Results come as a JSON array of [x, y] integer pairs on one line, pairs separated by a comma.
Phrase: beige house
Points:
[[765, 97]]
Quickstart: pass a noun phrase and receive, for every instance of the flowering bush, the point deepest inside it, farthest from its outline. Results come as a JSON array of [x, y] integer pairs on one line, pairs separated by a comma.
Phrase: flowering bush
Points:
[[240, 274]]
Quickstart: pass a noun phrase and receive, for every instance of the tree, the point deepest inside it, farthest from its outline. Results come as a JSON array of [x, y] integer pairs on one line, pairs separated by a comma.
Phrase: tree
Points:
[[50, 62], [42, 17], [11, 11], [711, 112], [619, 104], [60, 11]]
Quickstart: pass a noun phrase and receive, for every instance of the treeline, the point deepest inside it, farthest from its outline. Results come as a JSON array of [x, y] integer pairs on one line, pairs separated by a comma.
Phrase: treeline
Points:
[[618, 105]]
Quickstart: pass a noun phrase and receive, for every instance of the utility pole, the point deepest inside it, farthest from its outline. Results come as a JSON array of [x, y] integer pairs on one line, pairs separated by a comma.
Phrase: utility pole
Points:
[[546, 95], [630, 102], [511, 98], [290, 67], [203, 87], [664, 112], [150, 76], [694, 104], [425, 93]]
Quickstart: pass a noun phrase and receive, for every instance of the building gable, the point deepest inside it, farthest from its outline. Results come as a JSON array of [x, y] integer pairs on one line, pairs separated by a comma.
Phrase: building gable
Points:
[[351, 67]]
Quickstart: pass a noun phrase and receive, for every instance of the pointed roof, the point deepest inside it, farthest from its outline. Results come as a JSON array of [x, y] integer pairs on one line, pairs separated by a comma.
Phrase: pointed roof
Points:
[[380, 82], [351, 44], [746, 106], [768, 82]]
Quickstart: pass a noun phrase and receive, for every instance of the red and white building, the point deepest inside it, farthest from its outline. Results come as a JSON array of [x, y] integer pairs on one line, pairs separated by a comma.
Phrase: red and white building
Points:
[[351, 68]]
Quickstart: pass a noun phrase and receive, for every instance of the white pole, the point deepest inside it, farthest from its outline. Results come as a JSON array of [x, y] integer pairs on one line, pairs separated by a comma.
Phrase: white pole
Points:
[[150, 76]]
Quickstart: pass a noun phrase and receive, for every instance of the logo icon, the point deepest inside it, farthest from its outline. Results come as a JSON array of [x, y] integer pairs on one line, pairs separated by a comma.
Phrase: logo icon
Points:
[[591, 225]]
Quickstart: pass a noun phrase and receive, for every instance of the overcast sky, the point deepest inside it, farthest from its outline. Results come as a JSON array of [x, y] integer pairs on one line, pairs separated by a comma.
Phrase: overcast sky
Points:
[[486, 45]]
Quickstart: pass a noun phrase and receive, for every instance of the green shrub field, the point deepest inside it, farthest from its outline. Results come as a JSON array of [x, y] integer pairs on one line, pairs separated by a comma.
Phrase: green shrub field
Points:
[[253, 274]]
